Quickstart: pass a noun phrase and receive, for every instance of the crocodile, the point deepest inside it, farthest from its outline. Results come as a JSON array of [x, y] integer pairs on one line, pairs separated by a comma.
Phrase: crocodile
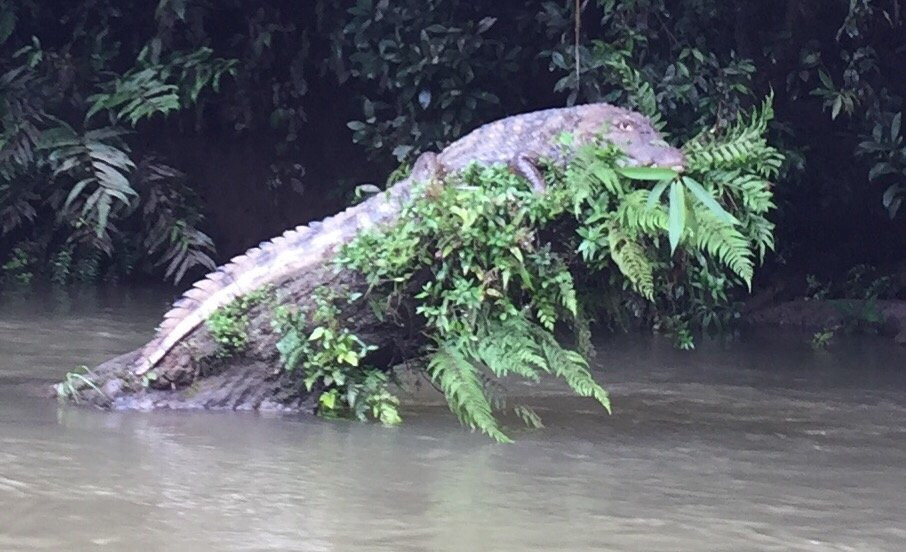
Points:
[[521, 142]]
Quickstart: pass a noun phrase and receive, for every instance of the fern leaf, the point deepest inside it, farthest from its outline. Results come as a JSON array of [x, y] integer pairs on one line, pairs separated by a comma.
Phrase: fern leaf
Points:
[[724, 243], [528, 416], [632, 261], [462, 386]]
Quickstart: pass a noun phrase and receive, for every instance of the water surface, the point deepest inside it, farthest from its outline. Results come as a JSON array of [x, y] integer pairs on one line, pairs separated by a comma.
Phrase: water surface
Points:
[[765, 445]]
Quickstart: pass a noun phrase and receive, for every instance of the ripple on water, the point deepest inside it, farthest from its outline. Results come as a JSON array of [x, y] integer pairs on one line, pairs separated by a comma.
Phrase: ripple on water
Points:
[[761, 446]]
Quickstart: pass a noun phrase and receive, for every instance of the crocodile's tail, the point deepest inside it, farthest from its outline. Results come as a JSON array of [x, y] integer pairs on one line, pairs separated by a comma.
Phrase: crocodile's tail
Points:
[[273, 262]]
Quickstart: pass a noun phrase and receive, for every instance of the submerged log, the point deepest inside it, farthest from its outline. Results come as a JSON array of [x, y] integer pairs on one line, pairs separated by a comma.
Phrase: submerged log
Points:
[[194, 376]]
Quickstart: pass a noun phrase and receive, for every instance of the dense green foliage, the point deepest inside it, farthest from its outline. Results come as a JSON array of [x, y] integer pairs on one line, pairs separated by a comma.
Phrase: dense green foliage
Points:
[[229, 325], [99, 98], [71, 189], [497, 267], [331, 358], [714, 217]]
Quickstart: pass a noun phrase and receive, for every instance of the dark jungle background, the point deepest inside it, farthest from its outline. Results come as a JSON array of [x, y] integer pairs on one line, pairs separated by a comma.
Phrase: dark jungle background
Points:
[[151, 140]]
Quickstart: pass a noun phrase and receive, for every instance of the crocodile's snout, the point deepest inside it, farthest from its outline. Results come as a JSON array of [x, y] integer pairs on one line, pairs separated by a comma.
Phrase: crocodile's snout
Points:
[[657, 154], [641, 143]]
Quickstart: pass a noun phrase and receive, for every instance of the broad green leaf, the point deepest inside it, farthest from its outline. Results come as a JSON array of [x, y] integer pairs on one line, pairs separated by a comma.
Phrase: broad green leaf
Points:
[[880, 169], [889, 195], [110, 155], [316, 334], [835, 107], [708, 201], [647, 173], [676, 221], [328, 400], [894, 207], [655, 196]]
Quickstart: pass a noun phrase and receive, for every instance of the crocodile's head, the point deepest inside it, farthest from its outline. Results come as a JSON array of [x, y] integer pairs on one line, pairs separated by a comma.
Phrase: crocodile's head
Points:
[[634, 134]]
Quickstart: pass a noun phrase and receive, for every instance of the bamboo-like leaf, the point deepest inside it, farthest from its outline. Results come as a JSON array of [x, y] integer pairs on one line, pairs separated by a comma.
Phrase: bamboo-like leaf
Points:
[[708, 201], [655, 196], [676, 221]]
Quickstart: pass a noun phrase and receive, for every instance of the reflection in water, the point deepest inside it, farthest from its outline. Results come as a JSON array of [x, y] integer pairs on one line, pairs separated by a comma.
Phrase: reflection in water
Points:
[[761, 446]]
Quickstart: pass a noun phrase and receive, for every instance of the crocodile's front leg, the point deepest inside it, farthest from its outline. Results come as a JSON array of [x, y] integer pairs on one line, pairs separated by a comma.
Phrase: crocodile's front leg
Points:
[[527, 169]]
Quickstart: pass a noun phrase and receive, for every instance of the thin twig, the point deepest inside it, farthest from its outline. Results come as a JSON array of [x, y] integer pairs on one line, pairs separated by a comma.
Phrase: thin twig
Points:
[[578, 28]]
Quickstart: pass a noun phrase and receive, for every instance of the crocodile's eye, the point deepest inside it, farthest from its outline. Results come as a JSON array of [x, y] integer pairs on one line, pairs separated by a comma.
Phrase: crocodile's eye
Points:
[[624, 126]]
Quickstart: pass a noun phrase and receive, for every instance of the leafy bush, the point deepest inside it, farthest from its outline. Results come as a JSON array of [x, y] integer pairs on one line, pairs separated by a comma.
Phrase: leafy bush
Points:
[[69, 181], [331, 358], [497, 266], [229, 325], [18, 269], [432, 69]]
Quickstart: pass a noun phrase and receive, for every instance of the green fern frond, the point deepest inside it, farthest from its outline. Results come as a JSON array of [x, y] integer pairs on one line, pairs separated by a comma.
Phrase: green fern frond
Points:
[[515, 346], [566, 289], [742, 146], [573, 369], [724, 242], [754, 191], [99, 165], [528, 416], [761, 231], [635, 215], [632, 261], [591, 172], [462, 386], [507, 348]]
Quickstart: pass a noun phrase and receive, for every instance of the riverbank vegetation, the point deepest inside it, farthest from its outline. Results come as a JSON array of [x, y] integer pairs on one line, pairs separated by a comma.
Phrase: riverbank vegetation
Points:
[[120, 119]]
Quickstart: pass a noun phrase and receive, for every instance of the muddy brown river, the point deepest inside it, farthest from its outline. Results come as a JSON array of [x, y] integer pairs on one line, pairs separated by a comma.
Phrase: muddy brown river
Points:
[[760, 445]]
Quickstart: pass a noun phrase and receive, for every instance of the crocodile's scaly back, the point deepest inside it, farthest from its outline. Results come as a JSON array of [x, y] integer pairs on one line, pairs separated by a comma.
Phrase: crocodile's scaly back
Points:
[[519, 142], [275, 261], [534, 136]]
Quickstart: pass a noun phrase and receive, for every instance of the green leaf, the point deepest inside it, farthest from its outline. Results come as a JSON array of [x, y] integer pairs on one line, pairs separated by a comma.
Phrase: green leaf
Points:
[[517, 253], [328, 399], [7, 23], [316, 334], [708, 201], [103, 215], [676, 221], [647, 173], [836, 106], [76, 190], [655, 196]]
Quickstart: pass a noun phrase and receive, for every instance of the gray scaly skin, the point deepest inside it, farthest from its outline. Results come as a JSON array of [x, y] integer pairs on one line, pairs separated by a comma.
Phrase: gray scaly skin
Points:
[[519, 142]]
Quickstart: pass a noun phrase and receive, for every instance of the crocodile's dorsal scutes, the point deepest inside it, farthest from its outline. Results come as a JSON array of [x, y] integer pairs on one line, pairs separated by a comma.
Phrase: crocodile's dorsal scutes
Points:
[[270, 263]]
